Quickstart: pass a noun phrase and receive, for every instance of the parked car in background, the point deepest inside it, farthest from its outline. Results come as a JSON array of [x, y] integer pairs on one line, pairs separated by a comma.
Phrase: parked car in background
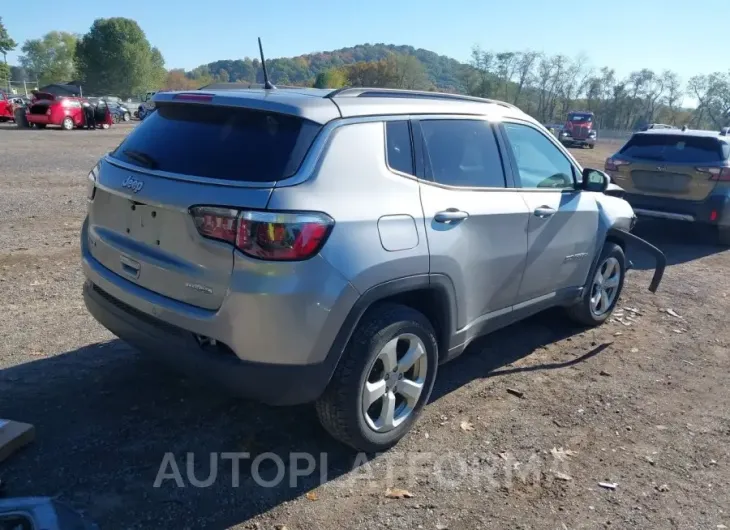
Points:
[[677, 174], [146, 106], [578, 130], [337, 246], [48, 109], [652, 126], [7, 107], [65, 112], [10, 105], [118, 111]]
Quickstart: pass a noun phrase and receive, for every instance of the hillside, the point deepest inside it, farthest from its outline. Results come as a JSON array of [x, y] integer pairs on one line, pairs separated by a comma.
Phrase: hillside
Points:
[[443, 72]]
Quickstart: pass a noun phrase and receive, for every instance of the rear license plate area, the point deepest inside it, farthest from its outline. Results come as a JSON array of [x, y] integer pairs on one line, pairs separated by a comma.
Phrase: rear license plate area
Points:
[[662, 182], [144, 223]]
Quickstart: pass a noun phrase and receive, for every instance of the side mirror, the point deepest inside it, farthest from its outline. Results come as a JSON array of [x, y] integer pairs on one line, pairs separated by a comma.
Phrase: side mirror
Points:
[[595, 180]]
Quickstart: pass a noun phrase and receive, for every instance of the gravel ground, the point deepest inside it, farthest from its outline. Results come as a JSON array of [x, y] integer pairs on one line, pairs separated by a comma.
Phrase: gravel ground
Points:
[[520, 432]]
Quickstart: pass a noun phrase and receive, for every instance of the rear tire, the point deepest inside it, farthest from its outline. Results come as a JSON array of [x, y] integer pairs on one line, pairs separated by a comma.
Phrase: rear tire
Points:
[[366, 365], [593, 309], [20, 118], [127, 117], [723, 235], [67, 124]]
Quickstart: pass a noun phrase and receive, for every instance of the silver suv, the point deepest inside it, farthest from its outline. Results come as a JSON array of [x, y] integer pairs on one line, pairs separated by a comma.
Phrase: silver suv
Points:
[[302, 245]]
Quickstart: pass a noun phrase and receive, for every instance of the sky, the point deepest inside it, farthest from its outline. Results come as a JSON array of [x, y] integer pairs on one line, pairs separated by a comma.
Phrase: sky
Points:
[[626, 35]]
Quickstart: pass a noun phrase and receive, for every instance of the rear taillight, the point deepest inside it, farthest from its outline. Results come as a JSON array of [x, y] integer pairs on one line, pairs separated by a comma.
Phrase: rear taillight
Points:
[[613, 164], [273, 236], [216, 223], [203, 98], [92, 178], [721, 174], [48, 112]]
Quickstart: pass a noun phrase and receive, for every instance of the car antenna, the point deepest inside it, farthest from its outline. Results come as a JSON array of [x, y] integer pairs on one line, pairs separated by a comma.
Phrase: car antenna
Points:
[[267, 83]]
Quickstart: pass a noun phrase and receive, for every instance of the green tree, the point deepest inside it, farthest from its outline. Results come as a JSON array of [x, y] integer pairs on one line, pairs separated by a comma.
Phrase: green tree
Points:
[[410, 73], [6, 45], [332, 78], [115, 57], [5, 74], [50, 59]]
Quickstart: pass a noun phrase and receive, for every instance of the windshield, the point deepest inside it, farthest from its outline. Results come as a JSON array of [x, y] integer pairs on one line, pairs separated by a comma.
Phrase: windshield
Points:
[[219, 142], [675, 148], [578, 118]]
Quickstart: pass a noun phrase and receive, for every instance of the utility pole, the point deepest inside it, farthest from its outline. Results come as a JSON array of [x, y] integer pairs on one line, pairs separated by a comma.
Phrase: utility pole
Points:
[[7, 69]]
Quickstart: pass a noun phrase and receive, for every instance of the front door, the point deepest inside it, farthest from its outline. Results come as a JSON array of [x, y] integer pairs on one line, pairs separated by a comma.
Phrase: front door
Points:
[[563, 222], [476, 225]]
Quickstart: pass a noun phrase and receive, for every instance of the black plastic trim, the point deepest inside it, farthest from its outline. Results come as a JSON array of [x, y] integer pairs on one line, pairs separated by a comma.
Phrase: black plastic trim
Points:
[[439, 282], [661, 259]]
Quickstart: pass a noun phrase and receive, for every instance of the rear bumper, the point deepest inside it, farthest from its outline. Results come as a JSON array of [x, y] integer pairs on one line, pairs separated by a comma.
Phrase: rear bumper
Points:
[[273, 384], [276, 346], [39, 118], [714, 210]]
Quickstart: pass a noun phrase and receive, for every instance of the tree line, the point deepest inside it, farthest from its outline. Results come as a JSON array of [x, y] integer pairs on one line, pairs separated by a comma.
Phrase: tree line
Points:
[[115, 57], [550, 86]]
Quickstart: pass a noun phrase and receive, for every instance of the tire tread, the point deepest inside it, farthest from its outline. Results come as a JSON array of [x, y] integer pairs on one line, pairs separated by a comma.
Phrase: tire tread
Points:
[[330, 407]]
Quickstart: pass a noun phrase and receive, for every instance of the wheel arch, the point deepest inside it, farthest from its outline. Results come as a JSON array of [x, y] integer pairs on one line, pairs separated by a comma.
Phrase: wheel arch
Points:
[[431, 294]]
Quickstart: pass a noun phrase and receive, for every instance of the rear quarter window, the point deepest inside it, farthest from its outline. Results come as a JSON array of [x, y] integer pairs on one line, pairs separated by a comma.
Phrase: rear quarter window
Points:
[[219, 142], [674, 148]]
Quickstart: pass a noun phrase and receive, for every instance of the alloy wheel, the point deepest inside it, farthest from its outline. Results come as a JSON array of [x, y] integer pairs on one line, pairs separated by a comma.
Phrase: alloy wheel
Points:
[[605, 286], [395, 382]]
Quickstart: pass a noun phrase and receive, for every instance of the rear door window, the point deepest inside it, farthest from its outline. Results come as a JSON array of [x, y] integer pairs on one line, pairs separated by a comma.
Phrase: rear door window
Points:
[[463, 153], [219, 142], [674, 148], [400, 151]]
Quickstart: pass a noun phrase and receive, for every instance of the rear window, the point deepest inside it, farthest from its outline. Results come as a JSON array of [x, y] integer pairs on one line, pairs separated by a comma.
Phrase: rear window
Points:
[[674, 148], [219, 142]]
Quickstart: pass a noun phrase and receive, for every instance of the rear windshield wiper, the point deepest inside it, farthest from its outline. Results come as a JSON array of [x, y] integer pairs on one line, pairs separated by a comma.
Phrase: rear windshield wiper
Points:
[[143, 158]]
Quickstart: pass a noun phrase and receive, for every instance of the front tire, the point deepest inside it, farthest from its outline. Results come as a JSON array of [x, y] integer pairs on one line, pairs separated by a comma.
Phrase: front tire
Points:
[[383, 380], [603, 288], [126, 116]]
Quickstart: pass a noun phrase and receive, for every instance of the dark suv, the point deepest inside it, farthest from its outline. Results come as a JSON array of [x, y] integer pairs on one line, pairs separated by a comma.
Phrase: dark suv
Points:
[[677, 174]]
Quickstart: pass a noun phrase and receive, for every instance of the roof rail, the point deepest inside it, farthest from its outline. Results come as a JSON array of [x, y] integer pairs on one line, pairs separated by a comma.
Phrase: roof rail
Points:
[[357, 92]]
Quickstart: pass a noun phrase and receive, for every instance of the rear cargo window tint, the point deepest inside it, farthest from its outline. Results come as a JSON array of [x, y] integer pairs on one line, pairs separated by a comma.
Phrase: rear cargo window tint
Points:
[[674, 148], [219, 142], [400, 152]]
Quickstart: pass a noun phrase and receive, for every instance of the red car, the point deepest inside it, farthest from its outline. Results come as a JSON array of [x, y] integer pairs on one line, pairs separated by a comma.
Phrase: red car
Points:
[[7, 107], [66, 112]]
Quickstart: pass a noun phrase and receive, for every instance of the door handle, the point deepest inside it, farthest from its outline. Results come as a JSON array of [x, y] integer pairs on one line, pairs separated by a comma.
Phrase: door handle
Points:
[[543, 212], [450, 215]]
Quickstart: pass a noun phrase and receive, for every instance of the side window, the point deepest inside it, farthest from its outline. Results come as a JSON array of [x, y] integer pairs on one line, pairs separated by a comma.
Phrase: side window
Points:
[[463, 153], [400, 151], [540, 163]]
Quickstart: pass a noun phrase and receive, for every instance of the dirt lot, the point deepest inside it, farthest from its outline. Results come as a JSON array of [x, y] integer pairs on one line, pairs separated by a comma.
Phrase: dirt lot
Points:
[[642, 402]]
